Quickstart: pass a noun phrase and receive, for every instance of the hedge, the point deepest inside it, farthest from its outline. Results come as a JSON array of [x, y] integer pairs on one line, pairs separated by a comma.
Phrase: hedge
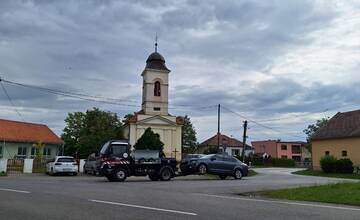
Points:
[[330, 164]]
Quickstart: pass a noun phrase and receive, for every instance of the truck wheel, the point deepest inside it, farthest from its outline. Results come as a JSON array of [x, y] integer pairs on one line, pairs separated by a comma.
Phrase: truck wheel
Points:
[[202, 169], [119, 175], [165, 173], [154, 177]]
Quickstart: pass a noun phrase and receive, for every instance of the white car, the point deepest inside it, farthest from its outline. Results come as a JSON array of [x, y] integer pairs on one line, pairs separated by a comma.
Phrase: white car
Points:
[[62, 164]]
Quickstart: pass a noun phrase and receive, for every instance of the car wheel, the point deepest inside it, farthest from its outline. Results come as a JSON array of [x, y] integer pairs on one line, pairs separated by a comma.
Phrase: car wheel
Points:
[[165, 173], [222, 177], [85, 171], [154, 177], [238, 174], [75, 174], [202, 169], [119, 175]]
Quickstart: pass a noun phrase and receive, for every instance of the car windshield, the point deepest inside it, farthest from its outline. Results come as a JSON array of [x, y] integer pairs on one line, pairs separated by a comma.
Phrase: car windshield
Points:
[[194, 156], [208, 156], [66, 160]]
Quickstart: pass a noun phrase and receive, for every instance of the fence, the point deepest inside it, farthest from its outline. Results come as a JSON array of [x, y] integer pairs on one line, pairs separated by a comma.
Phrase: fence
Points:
[[15, 166], [39, 166]]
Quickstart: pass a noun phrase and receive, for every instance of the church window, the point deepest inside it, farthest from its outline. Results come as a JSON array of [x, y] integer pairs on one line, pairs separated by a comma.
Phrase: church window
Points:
[[157, 89], [156, 109]]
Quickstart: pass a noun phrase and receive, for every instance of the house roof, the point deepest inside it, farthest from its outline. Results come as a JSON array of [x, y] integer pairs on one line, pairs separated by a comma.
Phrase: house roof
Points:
[[342, 125], [224, 140], [16, 131]]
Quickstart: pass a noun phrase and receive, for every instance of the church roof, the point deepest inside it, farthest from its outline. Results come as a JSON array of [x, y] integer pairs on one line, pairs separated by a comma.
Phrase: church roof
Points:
[[156, 61]]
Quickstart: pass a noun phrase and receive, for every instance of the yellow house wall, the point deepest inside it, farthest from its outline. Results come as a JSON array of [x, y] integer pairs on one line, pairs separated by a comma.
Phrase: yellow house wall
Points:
[[335, 147]]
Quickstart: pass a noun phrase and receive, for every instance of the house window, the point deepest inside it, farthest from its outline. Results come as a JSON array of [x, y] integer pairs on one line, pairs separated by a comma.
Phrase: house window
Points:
[[295, 149], [157, 89], [344, 153], [284, 157], [327, 153], [34, 151], [235, 152], [47, 151], [156, 109], [22, 151], [283, 147]]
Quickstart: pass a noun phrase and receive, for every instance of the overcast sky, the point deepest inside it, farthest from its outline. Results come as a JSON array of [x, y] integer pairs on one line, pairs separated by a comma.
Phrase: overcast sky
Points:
[[292, 61]]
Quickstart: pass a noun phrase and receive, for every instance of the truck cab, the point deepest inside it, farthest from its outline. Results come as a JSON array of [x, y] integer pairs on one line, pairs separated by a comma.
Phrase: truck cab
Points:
[[117, 162]]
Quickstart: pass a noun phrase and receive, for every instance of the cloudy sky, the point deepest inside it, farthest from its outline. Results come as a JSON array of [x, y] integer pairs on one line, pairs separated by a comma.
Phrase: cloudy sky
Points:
[[282, 64]]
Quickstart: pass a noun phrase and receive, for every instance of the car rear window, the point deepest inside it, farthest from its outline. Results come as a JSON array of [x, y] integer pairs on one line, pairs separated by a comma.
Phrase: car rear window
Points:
[[118, 149], [66, 160]]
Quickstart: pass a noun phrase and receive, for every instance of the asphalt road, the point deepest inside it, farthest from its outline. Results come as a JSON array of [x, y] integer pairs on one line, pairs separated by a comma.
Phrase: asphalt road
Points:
[[192, 197]]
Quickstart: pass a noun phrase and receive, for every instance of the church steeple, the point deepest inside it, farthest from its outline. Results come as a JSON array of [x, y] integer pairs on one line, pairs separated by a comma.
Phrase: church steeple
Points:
[[155, 84]]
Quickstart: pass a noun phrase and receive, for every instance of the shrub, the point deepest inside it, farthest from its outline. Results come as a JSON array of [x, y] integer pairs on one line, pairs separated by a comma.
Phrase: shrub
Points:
[[2, 173], [282, 162], [328, 164], [344, 166]]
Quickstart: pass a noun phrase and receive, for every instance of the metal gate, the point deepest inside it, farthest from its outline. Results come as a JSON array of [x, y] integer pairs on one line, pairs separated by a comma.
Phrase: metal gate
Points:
[[39, 166], [15, 166]]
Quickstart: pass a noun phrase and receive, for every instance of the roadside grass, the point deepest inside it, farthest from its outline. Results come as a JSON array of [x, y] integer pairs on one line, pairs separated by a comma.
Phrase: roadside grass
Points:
[[334, 175], [340, 193], [252, 172], [3, 173]]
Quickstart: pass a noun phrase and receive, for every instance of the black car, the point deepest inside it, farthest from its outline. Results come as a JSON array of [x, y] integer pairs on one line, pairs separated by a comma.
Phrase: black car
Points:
[[188, 163], [220, 164]]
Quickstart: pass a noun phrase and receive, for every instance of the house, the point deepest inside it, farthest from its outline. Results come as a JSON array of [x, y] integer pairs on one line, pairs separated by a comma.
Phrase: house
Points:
[[17, 139], [295, 150], [228, 144], [154, 113], [340, 137]]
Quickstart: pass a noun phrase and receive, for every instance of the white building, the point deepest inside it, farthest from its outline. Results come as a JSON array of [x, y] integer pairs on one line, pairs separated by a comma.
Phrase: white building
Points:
[[154, 112]]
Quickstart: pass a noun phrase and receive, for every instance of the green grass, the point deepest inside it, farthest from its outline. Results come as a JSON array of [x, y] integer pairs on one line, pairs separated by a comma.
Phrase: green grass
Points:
[[334, 175], [341, 193], [3, 173], [252, 173]]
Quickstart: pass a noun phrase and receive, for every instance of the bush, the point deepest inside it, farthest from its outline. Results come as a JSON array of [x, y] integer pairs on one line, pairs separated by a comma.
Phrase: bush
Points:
[[328, 164], [282, 162], [344, 166]]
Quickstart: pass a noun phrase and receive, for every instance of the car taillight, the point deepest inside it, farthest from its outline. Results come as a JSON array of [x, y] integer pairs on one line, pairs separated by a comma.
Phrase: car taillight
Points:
[[58, 164]]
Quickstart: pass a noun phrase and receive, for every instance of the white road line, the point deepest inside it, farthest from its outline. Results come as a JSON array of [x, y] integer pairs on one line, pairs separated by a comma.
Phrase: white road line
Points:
[[281, 202], [142, 207], [13, 190]]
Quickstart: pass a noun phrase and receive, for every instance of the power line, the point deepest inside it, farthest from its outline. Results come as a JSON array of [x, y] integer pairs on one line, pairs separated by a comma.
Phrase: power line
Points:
[[257, 123], [10, 100]]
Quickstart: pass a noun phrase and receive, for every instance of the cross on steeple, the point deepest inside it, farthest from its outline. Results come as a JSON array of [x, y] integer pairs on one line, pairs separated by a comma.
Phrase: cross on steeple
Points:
[[156, 44]]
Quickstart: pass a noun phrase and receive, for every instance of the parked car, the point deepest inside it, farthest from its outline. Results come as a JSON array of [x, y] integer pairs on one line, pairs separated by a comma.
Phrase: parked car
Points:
[[188, 163], [62, 164], [90, 165], [220, 164]]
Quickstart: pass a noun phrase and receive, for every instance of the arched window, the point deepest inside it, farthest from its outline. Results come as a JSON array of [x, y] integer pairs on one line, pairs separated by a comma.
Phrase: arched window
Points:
[[157, 89]]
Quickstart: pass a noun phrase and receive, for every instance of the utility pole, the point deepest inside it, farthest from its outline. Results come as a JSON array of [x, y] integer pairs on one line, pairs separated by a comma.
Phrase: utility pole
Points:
[[244, 141], [218, 132]]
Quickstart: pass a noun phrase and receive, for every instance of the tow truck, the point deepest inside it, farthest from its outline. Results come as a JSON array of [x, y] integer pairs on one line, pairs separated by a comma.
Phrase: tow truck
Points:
[[117, 161]]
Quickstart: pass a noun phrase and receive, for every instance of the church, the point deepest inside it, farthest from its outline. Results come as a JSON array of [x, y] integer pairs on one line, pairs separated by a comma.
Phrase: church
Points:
[[155, 112]]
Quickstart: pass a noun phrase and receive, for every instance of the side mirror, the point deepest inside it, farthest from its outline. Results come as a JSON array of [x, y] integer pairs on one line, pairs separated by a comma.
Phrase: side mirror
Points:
[[213, 158]]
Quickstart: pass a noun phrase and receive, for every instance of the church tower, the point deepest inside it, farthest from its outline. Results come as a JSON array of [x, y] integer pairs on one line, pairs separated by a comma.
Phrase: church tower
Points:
[[155, 96]]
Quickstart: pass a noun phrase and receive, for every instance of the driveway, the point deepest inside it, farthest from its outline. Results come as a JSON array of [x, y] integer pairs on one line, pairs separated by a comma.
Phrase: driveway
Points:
[[191, 197]]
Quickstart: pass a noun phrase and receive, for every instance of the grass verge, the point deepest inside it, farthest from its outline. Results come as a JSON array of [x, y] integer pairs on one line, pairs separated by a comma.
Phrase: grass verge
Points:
[[341, 193], [334, 175], [252, 173]]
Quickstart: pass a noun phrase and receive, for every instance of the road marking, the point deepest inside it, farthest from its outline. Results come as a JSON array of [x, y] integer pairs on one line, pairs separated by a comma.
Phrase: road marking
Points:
[[142, 207], [14, 190], [280, 202]]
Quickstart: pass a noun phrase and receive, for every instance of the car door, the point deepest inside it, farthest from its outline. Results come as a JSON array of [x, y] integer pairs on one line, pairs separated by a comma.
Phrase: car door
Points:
[[216, 164], [229, 164]]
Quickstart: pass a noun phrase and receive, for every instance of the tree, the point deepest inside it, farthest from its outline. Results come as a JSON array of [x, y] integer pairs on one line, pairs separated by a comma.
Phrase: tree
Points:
[[312, 129], [149, 141], [38, 150], [188, 136], [86, 132]]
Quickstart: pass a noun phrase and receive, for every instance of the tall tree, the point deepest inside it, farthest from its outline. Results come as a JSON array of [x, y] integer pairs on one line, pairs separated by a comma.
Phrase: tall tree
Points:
[[149, 140], [188, 136], [312, 129], [86, 132]]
